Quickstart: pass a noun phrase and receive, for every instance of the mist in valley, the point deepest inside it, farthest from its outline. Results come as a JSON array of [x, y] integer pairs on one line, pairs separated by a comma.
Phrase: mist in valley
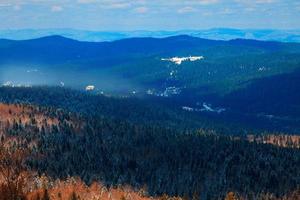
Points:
[[40, 75]]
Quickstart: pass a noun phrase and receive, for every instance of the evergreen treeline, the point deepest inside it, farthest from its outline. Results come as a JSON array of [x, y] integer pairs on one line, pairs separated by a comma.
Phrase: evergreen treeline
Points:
[[148, 112], [165, 161]]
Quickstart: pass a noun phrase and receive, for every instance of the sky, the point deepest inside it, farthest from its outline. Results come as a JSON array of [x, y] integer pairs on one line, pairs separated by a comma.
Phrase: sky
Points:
[[129, 15]]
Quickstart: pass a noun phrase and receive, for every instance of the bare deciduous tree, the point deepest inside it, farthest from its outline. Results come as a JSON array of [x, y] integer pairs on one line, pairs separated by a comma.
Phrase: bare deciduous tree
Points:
[[12, 174]]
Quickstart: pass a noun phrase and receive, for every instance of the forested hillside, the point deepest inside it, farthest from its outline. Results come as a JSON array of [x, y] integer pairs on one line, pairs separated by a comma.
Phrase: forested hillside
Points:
[[134, 110], [138, 62], [162, 161], [247, 83]]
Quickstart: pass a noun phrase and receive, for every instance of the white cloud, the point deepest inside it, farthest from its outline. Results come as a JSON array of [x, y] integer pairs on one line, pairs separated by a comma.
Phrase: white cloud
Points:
[[207, 2], [141, 10], [86, 1], [186, 9], [206, 14], [56, 8], [119, 5], [17, 7], [108, 4], [255, 2], [4, 4], [264, 1], [227, 11]]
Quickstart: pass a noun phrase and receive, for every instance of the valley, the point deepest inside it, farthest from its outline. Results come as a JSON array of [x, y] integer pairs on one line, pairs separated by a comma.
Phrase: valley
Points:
[[216, 77], [149, 118]]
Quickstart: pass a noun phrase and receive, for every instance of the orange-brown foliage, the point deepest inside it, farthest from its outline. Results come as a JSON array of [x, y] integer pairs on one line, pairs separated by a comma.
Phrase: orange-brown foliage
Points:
[[63, 190], [24, 113], [278, 140]]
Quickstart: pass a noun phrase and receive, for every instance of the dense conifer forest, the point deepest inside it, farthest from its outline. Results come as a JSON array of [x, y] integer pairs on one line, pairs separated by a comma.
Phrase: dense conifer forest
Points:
[[64, 140]]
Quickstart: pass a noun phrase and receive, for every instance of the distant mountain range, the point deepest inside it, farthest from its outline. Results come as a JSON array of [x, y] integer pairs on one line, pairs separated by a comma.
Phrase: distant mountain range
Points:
[[96, 36], [247, 81]]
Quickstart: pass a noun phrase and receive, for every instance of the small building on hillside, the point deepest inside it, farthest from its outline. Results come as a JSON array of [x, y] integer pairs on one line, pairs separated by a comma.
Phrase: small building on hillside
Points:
[[90, 88]]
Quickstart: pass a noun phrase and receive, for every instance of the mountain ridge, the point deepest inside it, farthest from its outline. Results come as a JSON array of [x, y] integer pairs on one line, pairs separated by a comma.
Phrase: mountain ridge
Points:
[[158, 67], [180, 36], [214, 33]]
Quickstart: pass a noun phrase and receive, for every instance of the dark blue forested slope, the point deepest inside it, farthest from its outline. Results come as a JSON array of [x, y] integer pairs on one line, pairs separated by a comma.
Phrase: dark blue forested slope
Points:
[[236, 79]]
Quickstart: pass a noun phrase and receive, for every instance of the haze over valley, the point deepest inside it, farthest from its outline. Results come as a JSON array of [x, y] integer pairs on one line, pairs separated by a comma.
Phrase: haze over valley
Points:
[[197, 72]]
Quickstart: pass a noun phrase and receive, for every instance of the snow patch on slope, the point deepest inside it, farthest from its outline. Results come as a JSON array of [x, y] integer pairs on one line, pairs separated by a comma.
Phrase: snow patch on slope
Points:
[[205, 108], [179, 60]]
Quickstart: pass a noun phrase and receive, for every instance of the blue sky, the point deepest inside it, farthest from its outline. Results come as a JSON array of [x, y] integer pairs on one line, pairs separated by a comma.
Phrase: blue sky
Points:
[[149, 14]]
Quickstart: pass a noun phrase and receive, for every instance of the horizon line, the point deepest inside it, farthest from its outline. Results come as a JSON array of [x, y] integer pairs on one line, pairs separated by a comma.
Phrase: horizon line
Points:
[[157, 30]]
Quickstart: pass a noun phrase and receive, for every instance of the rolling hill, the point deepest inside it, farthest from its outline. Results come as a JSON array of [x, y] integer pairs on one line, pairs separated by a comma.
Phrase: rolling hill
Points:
[[54, 150], [227, 80]]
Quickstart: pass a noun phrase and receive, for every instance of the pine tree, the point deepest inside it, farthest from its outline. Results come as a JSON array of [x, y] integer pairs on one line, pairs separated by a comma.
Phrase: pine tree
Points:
[[46, 195], [196, 196], [230, 196], [73, 196]]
